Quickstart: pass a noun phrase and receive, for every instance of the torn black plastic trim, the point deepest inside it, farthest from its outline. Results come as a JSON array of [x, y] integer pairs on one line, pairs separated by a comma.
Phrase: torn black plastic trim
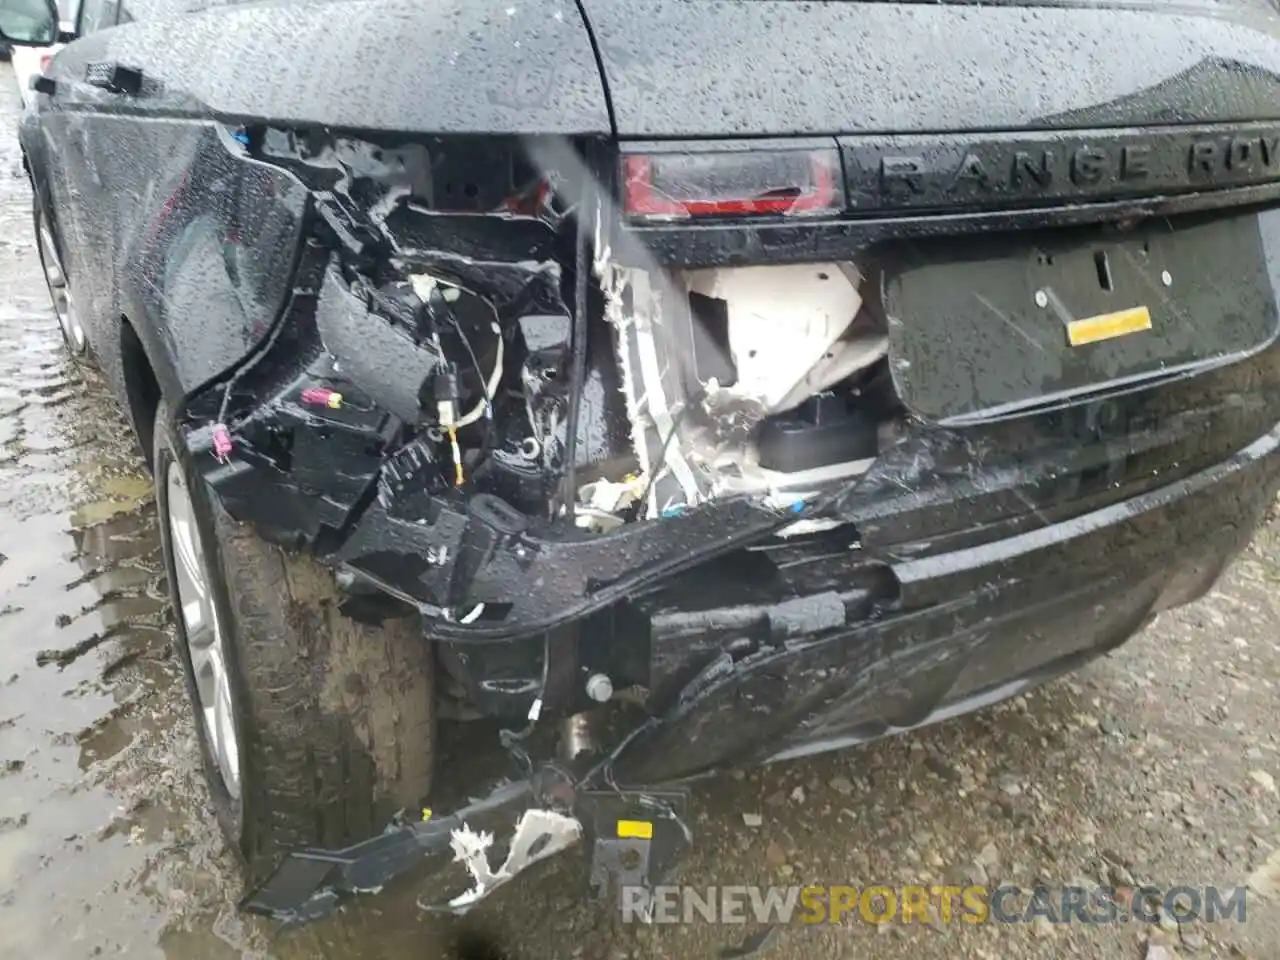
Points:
[[540, 579], [534, 818], [380, 210], [385, 360]]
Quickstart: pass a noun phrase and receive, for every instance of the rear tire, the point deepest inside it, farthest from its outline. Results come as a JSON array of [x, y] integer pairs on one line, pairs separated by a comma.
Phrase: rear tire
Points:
[[334, 719]]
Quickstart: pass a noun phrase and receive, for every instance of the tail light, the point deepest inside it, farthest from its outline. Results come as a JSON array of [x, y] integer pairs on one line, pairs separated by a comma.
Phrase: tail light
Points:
[[45, 60], [679, 186]]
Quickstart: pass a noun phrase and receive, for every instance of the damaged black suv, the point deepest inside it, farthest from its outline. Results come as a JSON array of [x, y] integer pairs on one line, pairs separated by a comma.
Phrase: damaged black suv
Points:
[[659, 385]]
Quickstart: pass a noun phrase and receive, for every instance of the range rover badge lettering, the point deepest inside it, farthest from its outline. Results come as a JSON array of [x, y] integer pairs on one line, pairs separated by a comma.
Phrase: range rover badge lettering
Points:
[[1070, 167]]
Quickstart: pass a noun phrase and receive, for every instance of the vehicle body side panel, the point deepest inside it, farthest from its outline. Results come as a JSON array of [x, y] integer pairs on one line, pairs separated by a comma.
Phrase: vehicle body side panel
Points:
[[776, 67], [459, 66], [84, 208], [171, 228], [35, 155]]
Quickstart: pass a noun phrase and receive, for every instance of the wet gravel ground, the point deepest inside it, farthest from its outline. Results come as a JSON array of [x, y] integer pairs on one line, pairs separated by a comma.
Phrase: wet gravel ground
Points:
[[1157, 765]]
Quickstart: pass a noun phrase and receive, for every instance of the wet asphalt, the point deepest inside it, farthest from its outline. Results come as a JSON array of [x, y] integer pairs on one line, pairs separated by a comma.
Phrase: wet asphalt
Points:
[[1156, 765]]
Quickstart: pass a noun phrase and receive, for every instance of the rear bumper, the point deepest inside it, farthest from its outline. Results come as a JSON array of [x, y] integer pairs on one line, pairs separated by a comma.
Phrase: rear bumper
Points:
[[1017, 611], [1053, 598], [971, 561], [971, 557]]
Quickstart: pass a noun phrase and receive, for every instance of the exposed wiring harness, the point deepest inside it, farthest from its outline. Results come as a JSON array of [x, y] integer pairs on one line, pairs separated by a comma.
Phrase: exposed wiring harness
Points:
[[429, 291], [221, 434], [511, 740], [446, 388], [490, 389]]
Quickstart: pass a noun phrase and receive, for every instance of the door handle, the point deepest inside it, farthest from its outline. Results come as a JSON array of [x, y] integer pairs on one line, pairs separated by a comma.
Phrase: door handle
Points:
[[114, 77]]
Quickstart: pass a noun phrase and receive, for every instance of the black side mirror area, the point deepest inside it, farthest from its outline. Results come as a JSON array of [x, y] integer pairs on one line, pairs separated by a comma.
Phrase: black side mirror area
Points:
[[29, 23]]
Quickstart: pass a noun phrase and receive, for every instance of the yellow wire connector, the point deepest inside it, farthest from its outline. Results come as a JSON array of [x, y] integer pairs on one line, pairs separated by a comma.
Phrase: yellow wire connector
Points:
[[459, 479], [446, 391]]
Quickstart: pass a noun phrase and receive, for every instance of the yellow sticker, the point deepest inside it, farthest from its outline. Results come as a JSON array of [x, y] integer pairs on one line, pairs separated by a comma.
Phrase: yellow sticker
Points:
[[426, 814], [1106, 326], [635, 830]]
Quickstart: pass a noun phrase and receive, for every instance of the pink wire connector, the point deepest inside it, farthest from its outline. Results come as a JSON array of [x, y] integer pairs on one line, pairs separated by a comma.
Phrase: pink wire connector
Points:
[[221, 442], [322, 397]]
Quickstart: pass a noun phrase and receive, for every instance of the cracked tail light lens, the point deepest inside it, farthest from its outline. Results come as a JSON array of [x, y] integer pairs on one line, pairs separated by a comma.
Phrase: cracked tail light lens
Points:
[[683, 186]]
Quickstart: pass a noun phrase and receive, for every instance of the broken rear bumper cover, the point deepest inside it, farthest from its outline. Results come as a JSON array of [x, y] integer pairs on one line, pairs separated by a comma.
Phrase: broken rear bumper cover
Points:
[[971, 558], [826, 670], [935, 597]]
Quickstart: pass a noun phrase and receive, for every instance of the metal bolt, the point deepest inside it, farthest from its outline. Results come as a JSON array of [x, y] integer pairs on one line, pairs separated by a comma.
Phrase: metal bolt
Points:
[[1166, 278], [575, 736], [599, 687], [1042, 298]]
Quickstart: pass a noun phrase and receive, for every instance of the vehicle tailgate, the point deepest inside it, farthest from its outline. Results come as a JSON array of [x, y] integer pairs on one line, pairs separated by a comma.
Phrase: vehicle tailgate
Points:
[[986, 326]]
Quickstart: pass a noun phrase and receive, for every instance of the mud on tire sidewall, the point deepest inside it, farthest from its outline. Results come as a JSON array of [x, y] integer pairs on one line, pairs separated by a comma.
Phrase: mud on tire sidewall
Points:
[[350, 741]]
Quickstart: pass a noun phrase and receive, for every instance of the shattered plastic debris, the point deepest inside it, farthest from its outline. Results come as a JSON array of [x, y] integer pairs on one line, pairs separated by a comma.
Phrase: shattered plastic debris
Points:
[[539, 834], [703, 368], [609, 497]]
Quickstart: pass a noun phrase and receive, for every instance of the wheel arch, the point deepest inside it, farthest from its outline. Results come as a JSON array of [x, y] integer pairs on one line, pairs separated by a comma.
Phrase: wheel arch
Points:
[[141, 388], [34, 165]]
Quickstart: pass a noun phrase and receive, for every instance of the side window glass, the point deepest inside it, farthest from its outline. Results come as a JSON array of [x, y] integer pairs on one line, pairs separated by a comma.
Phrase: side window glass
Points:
[[97, 15], [131, 10]]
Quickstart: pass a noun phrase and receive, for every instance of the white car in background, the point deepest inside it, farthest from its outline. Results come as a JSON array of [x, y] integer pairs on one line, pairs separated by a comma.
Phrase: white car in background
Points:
[[30, 62]]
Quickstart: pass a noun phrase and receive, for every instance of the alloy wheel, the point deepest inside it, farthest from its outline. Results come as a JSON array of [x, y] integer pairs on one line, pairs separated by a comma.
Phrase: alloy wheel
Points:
[[206, 641], [60, 293]]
